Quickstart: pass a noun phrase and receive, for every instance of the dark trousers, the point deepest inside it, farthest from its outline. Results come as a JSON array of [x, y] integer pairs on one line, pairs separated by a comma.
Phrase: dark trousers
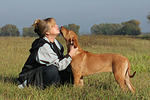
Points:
[[51, 76]]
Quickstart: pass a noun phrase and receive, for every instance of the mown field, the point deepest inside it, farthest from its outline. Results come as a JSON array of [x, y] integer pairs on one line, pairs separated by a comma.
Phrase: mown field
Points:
[[15, 50]]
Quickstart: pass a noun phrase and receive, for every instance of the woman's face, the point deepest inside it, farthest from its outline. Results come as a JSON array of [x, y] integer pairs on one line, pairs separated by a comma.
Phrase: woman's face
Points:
[[54, 30]]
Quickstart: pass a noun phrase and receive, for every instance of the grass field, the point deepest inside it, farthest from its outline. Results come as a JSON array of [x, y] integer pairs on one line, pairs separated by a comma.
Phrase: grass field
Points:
[[15, 50]]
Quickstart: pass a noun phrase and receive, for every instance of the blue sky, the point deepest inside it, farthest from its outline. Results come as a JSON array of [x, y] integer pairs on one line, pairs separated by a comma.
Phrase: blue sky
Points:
[[85, 13]]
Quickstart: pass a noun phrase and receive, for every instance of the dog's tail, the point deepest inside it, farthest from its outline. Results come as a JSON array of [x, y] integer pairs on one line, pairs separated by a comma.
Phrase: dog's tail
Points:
[[129, 70], [131, 76]]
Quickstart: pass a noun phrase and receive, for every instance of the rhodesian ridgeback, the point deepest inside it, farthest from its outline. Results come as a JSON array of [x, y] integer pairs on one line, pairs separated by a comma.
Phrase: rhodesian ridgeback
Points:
[[85, 63]]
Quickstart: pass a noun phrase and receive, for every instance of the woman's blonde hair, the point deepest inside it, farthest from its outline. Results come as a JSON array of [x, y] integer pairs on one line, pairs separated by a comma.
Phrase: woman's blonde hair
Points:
[[42, 26]]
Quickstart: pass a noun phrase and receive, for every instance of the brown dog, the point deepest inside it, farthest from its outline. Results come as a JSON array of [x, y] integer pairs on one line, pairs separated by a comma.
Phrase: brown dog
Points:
[[85, 63]]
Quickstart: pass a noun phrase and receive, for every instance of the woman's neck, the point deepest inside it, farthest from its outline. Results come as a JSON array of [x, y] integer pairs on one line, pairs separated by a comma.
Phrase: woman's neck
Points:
[[51, 38]]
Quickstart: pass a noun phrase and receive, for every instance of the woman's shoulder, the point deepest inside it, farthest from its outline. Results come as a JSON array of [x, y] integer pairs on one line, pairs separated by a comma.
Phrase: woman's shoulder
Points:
[[39, 42], [46, 48]]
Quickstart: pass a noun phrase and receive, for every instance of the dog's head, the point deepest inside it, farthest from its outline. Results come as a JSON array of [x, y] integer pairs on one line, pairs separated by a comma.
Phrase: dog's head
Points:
[[69, 36]]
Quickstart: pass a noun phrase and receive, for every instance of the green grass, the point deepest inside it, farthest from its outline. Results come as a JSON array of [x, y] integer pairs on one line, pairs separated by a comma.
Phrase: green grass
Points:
[[15, 50]]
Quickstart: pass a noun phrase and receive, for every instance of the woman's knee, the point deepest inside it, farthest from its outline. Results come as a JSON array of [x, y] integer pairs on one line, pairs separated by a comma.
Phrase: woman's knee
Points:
[[50, 75], [50, 70]]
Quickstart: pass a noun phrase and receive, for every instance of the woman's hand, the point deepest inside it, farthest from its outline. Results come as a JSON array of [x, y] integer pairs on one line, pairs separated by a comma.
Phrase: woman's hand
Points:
[[72, 50]]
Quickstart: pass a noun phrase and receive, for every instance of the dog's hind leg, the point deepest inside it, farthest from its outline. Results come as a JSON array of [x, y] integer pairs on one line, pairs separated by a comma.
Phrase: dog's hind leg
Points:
[[120, 80], [128, 83]]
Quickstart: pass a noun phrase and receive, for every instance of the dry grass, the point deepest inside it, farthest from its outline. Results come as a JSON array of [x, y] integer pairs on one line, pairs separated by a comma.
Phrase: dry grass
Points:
[[14, 52]]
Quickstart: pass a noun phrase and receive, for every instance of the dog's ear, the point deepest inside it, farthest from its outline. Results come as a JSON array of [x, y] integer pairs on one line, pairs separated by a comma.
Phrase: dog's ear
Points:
[[73, 42]]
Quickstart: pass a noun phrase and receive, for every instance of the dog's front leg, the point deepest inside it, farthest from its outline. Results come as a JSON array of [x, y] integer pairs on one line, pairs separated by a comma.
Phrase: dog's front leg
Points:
[[81, 81], [77, 80]]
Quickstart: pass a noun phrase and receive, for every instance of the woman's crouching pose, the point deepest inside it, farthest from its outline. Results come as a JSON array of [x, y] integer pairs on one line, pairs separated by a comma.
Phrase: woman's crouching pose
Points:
[[46, 64]]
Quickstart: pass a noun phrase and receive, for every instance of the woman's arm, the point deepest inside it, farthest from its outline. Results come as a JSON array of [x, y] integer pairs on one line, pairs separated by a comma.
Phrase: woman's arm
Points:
[[48, 57]]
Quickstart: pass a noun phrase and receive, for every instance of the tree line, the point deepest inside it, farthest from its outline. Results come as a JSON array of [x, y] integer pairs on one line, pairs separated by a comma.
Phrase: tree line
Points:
[[12, 30], [125, 28]]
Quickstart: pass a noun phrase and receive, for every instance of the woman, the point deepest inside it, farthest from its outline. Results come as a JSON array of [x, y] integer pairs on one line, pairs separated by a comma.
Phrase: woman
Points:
[[46, 64]]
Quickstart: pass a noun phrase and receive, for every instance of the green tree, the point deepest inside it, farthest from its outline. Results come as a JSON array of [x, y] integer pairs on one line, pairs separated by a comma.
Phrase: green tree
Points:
[[97, 29], [131, 28], [105, 28], [73, 27], [125, 28], [10, 30], [108, 29], [29, 31]]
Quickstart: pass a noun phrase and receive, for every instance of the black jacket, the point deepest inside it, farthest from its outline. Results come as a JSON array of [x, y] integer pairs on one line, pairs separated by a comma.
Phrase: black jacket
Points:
[[32, 70]]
